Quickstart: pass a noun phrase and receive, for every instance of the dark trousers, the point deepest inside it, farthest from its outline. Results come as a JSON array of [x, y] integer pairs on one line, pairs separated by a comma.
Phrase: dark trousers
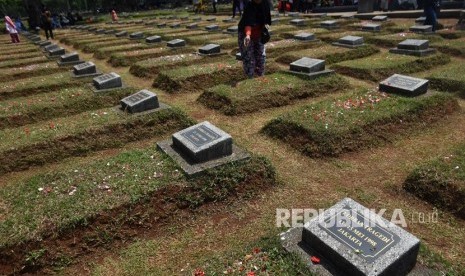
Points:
[[431, 18], [214, 6], [48, 32], [14, 38], [236, 5]]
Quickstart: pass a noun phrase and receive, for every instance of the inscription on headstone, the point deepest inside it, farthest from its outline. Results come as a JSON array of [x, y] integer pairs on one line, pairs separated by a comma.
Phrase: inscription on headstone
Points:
[[74, 56], [141, 101], [404, 85], [107, 81], [86, 68]]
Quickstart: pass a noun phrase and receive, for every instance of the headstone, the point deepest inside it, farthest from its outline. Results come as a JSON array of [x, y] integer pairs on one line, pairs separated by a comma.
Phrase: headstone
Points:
[[353, 240], [380, 18], [213, 27], [34, 38], [307, 65], [195, 19], [121, 34], [421, 29], [210, 49], [304, 36], [74, 56], [347, 16], [44, 43], [232, 30], [329, 24], [192, 26], [404, 85], [176, 43], [161, 25], [56, 52], [371, 27], [413, 47], [139, 102], [211, 19], [107, 81], [50, 47], [100, 31], [297, 22], [420, 20], [136, 35], [293, 14], [349, 41], [110, 32], [83, 69], [175, 25], [93, 29], [153, 39], [203, 142], [229, 20]]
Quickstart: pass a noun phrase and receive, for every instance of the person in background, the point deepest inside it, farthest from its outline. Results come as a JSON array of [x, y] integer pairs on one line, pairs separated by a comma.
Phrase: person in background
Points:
[[47, 23], [114, 16], [431, 8], [237, 6], [11, 28], [19, 25], [256, 17], [214, 5]]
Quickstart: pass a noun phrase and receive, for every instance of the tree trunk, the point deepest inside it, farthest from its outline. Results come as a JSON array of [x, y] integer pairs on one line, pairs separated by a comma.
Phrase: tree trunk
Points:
[[33, 11]]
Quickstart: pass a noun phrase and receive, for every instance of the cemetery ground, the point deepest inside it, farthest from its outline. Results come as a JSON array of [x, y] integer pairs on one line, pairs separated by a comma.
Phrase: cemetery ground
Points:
[[85, 191]]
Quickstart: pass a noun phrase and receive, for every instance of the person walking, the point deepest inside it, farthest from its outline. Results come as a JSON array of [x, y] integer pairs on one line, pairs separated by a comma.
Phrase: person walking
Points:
[[214, 5], [237, 6], [431, 9], [256, 17], [11, 28], [47, 24]]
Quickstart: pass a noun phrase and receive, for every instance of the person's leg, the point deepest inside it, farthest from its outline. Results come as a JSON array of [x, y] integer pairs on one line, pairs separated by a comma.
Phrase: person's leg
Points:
[[248, 61], [430, 16], [16, 38], [12, 38], [234, 9], [46, 33], [259, 56], [51, 33]]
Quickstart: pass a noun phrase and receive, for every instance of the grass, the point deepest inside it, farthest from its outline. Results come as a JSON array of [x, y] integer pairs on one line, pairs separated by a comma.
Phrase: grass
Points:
[[105, 52], [392, 40], [441, 181], [451, 47], [357, 121], [28, 70], [270, 91], [450, 79], [277, 48], [382, 65], [14, 63], [130, 57]]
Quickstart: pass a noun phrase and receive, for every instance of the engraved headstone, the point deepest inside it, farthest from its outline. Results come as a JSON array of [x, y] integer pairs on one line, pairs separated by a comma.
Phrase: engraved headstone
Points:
[[192, 26], [413, 47], [203, 142], [228, 20], [107, 81], [34, 38], [50, 47], [74, 56], [380, 18], [329, 24], [349, 41], [86, 68], [371, 27], [42, 44], [307, 65], [153, 39], [421, 29], [56, 52], [213, 27], [304, 36], [121, 34], [297, 22], [136, 35], [353, 240], [210, 49], [139, 102], [176, 43], [404, 85]]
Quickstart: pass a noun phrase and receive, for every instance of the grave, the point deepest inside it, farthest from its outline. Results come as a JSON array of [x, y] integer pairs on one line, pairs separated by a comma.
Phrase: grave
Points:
[[424, 29], [200, 147], [86, 69], [211, 19], [305, 37], [100, 31], [136, 35], [107, 81], [108, 32], [348, 16], [55, 52], [192, 26], [69, 59], [195, 19], [297, 22], [380, 18], [371, 27], [153, 39], [232, 30], [176, 43], [93, 29], [175, 25], [213, 27], [351, 239], [413, 47], [210, 49], [141, 101], [404, 85], [34, 38], [229, 20], [44, 43], [329, 24], [121, 34], [293, 14], [350, 41], [161, 25], [50, 47], [420, 20], [310, 67]]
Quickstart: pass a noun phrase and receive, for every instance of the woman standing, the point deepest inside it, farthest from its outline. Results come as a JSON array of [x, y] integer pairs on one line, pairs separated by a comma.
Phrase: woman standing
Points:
[[11, 28], [256, 17]]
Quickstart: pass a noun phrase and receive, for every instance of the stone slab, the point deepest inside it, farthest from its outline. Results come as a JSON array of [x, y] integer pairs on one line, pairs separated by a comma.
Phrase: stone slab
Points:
[[110, 32], [297, 22], [56, 52], [161, 25], [196, 19], [175, 43], [74, 56], [175, 25], [371, 27], [86, 68], [421, 29], [136, 35], [404, 85], [44, 43], [329, 24], [192, 26], [232, 30], [307, 65], [414, 44], [100, 31], [293, 14], [121, 34], [141, 101], [305, 36], [210, 49], [380, 18], [211, 19], [107, 81], [417, 53], [349, 41], [153, 39], [420, 20], [213, 27]]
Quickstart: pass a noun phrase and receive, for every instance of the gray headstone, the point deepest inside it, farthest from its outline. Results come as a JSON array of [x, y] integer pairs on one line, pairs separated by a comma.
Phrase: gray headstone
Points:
[[56, 51], [192, 26], [175, 25], [347, 16], [380, 18], [210, 49], [139, 102], [420, 20], [34, 38], [421, 29], [404, 85], [211, 19], [136, 35], [203, 142], [161, 25], [92, 29], [86, 68], [329, 24], [297, 22], [176, 43], [414, 44], [307, 65], [304, 36], [351, 40], [50, 47], [42, 44], [228, 20], [293, 14], [107, 81], [111, 32], [121, 34], [74, 56], [358, 241], [212, 27], [232, 29], [100, 31], [371, 27], [153, 39]]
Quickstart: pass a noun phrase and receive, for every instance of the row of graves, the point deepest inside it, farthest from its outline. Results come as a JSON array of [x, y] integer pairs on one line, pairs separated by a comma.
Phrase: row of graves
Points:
[[65, 107]]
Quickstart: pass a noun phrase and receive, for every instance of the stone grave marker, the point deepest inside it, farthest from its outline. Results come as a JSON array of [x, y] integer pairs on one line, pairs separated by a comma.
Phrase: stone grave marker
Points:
[[136, 35], [34, 38], [350, 41], [139, 102], [421, 29], [175, 43], [310, 67], [192, 26], [210, 49], [109, 32], [297, 22], [56, 52], [420, 20], [213, 27], [229, 20], [353, 240], [413, 47], [86, 69], [329, 24], [404, 85], [153, 39], [107, 81], [195, 19], [121, 34], [232, 29], [211, 19], [304, 36], [161, 25], [92, 29], [50, 47], [44, 43], [175, 25], [380, 18], [293, 14], [69, 59], [371, 27], [100, 31], [347, 16]]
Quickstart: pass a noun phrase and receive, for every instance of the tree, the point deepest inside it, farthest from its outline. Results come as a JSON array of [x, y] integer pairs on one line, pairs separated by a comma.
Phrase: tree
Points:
[[33, 9]]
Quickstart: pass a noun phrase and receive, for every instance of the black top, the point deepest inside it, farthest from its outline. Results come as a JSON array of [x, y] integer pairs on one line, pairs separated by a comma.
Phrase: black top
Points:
[[255, 14]]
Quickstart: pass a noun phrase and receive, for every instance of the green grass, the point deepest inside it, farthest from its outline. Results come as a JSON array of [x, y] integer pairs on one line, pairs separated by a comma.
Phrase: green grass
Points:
[[392, 40], [382, 65], [441, 181], [270, 91], [276, 48], [449, 79], [357, 121], [28, 70], [130, 57], [106, 52], [16, 56], [451, 47], [15, 63]]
